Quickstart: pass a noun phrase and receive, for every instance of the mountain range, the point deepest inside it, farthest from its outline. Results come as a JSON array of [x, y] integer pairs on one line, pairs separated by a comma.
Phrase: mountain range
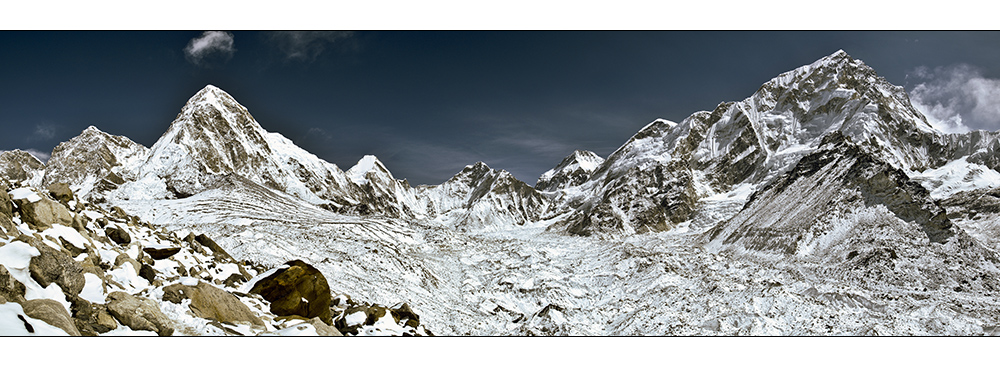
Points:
[[826, 181]]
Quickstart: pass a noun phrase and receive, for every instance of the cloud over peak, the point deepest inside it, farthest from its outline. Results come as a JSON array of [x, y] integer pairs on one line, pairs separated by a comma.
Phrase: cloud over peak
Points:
[[957, 98], [305, 45], [210, 48]]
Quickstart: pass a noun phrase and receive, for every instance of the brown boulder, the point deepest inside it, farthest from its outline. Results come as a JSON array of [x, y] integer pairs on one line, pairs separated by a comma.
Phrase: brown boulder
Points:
[[60, 192], [158, 253], [51, 312], [299, 289], [55, 266], [138, 313], [210, 302], [404, 315], [117, 235], [43, 213]]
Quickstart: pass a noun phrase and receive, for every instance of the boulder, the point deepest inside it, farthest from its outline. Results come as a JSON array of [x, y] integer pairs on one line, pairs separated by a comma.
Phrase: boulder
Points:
[[91, 319], [138, 313], [55, 266], [11, 290], [299, 289], [210, 302], [61, 192], [43, 213], [124, 258], [404, 315], [147, 272], [118, 235], [159, 252], [51, 312]]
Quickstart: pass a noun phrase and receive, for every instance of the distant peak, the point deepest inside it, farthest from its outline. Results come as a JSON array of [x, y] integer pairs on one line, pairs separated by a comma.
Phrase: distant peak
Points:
[[210, 88], [366, 164], [478, 166], [93, 128]]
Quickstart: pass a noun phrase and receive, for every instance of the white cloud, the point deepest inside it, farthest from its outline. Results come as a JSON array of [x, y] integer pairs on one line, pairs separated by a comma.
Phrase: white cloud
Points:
[[43, 131], [305, 45], [210, 47], [957, 98]]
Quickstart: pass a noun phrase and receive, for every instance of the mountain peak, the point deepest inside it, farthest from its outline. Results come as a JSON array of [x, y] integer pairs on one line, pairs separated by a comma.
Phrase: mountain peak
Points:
[[573, 170], [366, 164]]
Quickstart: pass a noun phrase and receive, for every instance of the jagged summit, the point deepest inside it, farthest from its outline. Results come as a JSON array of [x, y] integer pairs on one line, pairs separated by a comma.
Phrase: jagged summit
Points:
[[367, 164]]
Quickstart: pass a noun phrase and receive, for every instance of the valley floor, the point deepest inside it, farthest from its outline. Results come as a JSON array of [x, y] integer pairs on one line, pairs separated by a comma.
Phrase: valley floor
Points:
[[528, 281]]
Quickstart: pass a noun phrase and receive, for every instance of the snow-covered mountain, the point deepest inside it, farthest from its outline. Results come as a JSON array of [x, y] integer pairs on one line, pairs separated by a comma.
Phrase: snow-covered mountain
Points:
[[572, 171], [481, 197], [95, 162], [214, 136], [656, 179], [824, 203], [18, 165]]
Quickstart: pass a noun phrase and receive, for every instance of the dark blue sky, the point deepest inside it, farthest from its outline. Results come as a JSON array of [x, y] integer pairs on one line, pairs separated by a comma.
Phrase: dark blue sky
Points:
[[429, 103]]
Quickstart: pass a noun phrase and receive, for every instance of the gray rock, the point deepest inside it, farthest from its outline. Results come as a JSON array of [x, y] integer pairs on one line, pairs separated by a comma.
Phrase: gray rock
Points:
[[210, 302], [51, 312], [138, 313]]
